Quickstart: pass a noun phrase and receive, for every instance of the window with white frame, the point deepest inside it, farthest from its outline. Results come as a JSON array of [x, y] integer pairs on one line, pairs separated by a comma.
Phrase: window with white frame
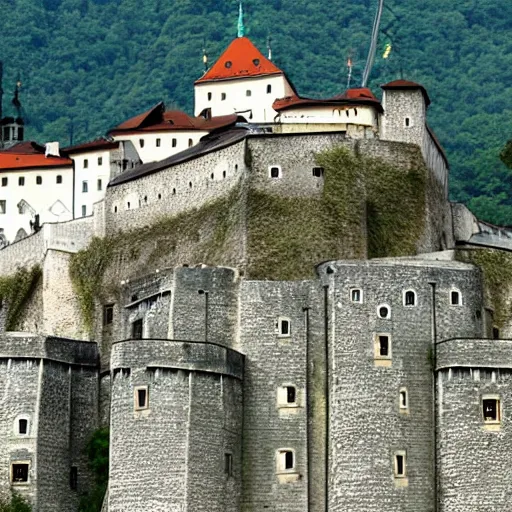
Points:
[[382, 344], [409, 298], [287, 396], [22, 425], [284, 327], [285, 461], [141, 398], [356, 295], [400, 464], [403, 399], [491, 409], [20, 471], [455, 297], [274, 171]]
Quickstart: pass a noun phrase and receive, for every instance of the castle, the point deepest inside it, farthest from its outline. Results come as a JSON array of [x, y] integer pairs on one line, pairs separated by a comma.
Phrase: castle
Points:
[[273, 306]]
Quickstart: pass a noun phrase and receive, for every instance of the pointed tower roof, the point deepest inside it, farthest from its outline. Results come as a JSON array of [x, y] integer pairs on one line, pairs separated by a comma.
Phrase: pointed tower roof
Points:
[[240, 60]]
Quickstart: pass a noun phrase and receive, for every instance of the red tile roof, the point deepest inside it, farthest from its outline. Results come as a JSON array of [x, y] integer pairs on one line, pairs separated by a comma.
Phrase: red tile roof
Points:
[[241, 59], [156, 119], [29, 155], [94, 145], [351, 97], [407, 84]]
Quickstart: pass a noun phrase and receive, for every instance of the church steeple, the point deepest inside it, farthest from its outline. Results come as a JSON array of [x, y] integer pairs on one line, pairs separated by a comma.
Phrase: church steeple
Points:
[[241, 26]]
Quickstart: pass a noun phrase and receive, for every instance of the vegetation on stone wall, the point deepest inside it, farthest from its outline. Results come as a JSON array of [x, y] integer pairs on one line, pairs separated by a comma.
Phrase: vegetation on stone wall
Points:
[[15, 503], [15, 290], [98, 460], [197, 236], [496, 266], [288, 235]]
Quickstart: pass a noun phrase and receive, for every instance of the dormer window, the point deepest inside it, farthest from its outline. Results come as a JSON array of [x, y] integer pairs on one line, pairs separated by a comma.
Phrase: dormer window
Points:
[[256, 62], [228, 64]]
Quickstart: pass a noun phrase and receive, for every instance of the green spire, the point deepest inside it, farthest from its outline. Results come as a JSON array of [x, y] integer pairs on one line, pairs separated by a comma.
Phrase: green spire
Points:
[[241, 26]]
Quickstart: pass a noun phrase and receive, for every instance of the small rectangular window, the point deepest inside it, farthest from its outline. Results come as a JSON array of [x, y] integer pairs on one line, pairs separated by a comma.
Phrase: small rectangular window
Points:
[[58, 179], [275, 172], [108, 314], [248, 92], [455, 298], [4, 182], [141, 143], [21, 181], [400, 465], [284, 327], [141, 398], [85, 187], [19, 473], [137, 328], [22, 426], [86, 163], [228, 464], [73, 478], [3, 206], [290, 394], [84, 210], [190, 143], [269, 88], [174, 143], [100, 184], [407, 121], [491, 410], [356, 295], [158, 142], [209, 96], [100, 160], [223, 96], [288, 460], [404, 401], [409, 298], [318, 172], [382, 347], [39, 180]]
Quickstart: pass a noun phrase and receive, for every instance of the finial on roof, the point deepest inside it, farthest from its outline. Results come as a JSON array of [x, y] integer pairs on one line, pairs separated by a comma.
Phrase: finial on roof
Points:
[[269, 46], [241, 26]]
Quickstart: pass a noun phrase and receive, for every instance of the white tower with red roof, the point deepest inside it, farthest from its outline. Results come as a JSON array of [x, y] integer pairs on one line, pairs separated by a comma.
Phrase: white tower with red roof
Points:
[[242, 81]]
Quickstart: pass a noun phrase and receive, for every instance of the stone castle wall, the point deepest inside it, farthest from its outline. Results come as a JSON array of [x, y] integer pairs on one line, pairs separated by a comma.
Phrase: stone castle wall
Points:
[[474, 457], [195, 392]]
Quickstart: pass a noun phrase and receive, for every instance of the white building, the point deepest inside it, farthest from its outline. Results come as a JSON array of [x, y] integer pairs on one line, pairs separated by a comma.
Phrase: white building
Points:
[[242, 81], [157, 134], [34, 188], [95, 163]]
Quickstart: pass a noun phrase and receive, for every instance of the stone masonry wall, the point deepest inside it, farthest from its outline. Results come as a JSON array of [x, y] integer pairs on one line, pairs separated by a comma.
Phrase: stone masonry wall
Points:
[[367, 426], [151, 469], [174, 190], [474, 459]]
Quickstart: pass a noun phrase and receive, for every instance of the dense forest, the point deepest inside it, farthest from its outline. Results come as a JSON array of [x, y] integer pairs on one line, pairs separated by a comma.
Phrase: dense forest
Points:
[[87, 65]]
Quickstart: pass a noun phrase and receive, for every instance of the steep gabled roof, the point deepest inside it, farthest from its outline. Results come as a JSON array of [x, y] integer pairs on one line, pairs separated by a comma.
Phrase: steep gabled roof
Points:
[[407, 84], [351, 97], [30, 155], [240, 60], [157, 119]]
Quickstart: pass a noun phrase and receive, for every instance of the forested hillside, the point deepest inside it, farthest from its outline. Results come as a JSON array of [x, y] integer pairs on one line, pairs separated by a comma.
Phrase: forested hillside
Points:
[[89, 64]]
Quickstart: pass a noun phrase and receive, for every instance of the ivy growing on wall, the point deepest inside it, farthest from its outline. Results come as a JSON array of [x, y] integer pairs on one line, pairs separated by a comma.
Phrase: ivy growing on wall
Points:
[[201, 235], [368, 207], [496, 267], [15, 290], [15, 503]]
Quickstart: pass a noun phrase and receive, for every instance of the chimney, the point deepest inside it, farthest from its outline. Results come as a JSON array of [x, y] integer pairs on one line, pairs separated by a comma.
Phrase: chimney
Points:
[[52, 149]]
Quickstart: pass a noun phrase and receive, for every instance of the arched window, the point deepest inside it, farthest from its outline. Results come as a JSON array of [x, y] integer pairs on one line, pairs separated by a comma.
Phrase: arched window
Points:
[[22, 425], [409, 298]]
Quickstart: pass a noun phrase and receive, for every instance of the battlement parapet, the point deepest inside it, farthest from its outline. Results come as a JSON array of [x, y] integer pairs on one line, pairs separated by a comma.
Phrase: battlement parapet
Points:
[[24, 345], [474, 352], [178, 354]]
